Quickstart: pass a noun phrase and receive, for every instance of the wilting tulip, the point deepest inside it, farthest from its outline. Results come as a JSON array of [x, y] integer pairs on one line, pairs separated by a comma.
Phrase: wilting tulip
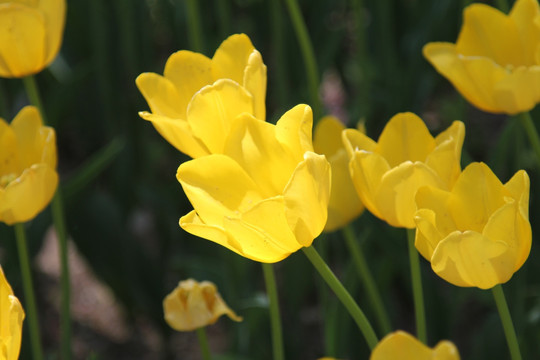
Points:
[[192, 108], [344, 205], [495, 63], [388, 173], [11, 319], [28, 177], [30, 35], [400, 345], [267, 195], [192, 305], [477, 234]]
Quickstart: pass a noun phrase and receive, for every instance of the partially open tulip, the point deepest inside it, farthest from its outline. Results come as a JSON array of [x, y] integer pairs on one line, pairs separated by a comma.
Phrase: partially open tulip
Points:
[[191, 108], [477, 234], [495, 63], [267, 195], [11, 319], [344, 206], [30, 35], [400, 345], [387, 173], [192, 305], [28, 177]]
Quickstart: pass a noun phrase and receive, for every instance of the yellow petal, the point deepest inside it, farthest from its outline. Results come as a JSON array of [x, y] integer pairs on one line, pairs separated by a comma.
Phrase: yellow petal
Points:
[[306, 198], [294, 130], [470, 259], [255, 83], [189, 72], [12, 318], [405, 138], [356, 140], [178, 133], [213, 109], [55, 17], [9, 156], [327, 136], [22, 40], [231, 58], [22, 199], [445, 350], [445, 160], [519, 91], [161, 95], [400, 345], [523, 14]]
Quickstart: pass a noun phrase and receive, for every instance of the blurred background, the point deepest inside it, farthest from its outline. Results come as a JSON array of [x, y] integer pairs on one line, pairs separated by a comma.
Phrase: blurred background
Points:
[[123, 201]]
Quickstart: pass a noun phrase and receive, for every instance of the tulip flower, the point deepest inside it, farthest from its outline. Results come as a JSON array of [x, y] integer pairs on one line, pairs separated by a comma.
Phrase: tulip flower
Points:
[[28, 177], [192, 108], [387, 173], [477, 234], [30, 35], [192, 305], [344, 205], [267, 195], [400, 345], [11, 319], [495, 63]]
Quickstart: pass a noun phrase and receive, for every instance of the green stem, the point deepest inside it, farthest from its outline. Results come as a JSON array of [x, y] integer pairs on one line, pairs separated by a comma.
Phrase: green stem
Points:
[[194, 25], [29, 297], [275, 318], [419, 310], [308, 54], [528, 124], [360, 263], [33, 95], [203, 343], [506, 320], [279, 73], [343, 295]]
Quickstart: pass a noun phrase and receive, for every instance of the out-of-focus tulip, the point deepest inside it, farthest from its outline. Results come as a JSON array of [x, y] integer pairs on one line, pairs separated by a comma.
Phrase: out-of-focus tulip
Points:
[[30, 35], [400, 345], [11, 319], [495, 63], [192, 108], [28, 177], [267, 195], [387, 173], [192, 305], [344, 206], [477, 234]]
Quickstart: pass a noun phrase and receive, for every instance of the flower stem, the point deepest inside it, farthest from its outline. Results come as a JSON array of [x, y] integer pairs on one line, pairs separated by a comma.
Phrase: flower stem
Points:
[[418, 295], [29, 297], [307, 53], [360, 263], [33, 95], [343, 295], [506, 320], [527, 123], [194, 25], [275, 318], [203, 343]]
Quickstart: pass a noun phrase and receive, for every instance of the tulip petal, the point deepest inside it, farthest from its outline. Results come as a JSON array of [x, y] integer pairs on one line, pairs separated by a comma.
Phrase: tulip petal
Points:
[[446, 158], [519, 91], [294, 131], [55, 16], [23, 198], [470, 259], [327, 136], [395, 143], [306, 197], [255, 83], [523, 14], [357, 140], [400, 345], [161, 95], [231, 58], [9, 156], [213, 109], [178, 133], [22, 39], [518, 187], [445, 350], [12, 319]]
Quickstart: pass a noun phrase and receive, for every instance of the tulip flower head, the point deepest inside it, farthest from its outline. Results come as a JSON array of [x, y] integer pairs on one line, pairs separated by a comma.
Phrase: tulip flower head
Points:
[[267, 195], [28, 177], [400, 345], [344, 206], [387, 173], [11, 319], [495, 63], [30, 35], [192, 305], [194, 103], [477, 234]]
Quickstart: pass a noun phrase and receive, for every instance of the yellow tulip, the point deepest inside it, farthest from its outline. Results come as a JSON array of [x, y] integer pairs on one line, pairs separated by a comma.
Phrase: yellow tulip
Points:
[[400, 345], [30, 35], [192, 305], [28, 177], [344, 206], [495, 63], [11, 319], [267, 195], [388, 173], [477, 234], [197, 98]]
